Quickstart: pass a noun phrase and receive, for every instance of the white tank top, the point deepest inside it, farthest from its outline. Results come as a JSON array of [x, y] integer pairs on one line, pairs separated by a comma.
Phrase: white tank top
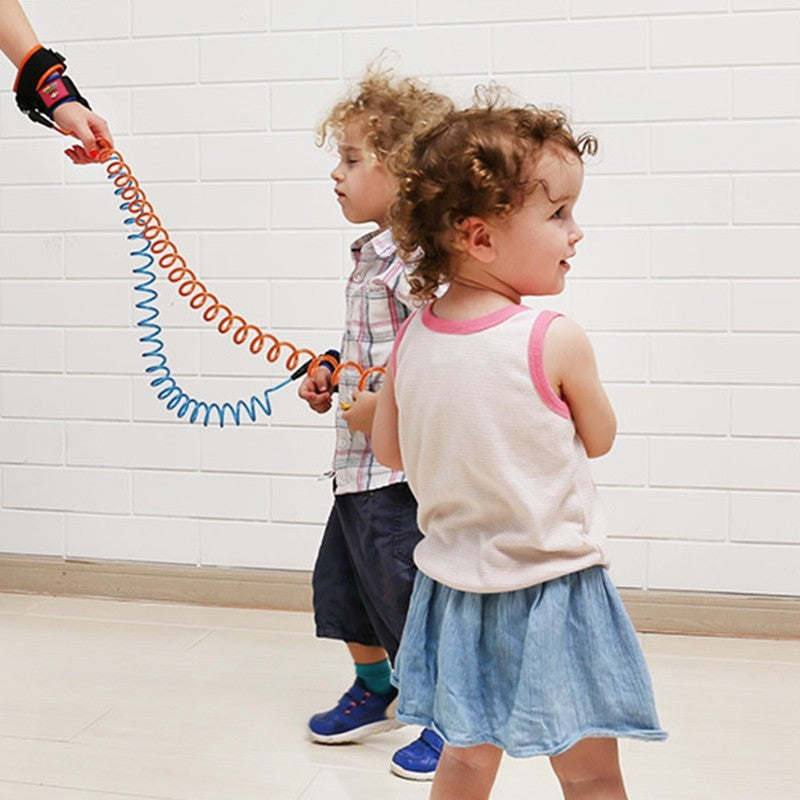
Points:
[[506, 498]]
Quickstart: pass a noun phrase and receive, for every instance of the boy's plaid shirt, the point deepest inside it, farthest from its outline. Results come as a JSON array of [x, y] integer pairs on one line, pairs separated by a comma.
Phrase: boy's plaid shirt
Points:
[[378, 302]]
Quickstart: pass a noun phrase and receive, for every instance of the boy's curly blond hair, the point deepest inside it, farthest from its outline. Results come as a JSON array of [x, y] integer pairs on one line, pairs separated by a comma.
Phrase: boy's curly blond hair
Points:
[[393, 110], [475, 162]]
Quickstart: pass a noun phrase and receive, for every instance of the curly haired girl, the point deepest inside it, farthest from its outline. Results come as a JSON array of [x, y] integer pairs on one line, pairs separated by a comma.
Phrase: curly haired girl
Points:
[[516, 640]]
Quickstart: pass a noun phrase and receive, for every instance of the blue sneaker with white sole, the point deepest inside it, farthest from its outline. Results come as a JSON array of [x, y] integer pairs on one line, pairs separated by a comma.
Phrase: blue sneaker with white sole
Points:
[[417, 761], [359, 713]]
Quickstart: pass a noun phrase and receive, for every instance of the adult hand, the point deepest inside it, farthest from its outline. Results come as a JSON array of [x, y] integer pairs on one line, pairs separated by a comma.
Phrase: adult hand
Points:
[[85, 125]]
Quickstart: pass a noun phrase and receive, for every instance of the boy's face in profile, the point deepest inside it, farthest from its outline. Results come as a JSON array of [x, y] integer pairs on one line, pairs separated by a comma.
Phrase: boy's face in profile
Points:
[[364, 188]]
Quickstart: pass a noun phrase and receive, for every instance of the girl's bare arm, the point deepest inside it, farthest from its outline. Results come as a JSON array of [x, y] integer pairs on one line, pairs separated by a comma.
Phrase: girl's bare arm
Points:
[[572, 369], [385, 435]]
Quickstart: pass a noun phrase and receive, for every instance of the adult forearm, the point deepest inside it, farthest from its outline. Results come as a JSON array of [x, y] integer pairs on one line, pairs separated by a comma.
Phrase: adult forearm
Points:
[[17, 36]]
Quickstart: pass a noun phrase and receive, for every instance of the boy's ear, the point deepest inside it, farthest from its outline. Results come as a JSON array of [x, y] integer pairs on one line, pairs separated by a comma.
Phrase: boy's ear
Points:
[[475, 238]]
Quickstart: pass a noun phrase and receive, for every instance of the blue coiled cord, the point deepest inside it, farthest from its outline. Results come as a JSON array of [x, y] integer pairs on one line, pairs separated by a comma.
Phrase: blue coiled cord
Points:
[[186, 406]]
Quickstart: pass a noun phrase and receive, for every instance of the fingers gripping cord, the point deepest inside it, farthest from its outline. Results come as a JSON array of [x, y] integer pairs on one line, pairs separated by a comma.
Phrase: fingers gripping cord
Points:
[[157, 244]]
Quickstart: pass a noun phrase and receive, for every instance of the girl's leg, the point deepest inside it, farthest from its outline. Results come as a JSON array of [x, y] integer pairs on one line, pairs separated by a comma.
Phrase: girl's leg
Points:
[[590, 771], [466, 773]]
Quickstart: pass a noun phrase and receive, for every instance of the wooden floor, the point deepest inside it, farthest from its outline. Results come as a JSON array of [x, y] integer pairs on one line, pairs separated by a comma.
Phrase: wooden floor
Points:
[[103, 699]]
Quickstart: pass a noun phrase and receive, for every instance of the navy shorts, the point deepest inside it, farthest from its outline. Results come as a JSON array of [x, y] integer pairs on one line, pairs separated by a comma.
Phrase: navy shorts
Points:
[[365, 567]]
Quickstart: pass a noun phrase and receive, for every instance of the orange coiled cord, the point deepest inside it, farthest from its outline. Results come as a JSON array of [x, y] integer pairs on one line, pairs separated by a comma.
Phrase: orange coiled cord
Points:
[[200, 298]]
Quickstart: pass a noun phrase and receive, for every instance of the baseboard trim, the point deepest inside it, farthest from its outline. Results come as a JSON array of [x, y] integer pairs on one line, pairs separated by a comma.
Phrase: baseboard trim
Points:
[[213, 586], [694, 613], [713, 614]]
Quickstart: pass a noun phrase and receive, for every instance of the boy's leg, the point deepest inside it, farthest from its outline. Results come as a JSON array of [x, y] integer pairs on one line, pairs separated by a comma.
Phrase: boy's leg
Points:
[[384, 563], [366, 654], [339, 611], [466, 773], [367, 553], [372, 667], [380, 527], [340, 614], [590, 771]]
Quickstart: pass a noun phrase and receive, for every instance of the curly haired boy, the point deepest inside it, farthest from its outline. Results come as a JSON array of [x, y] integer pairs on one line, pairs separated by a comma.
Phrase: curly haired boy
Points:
[[364, 571]]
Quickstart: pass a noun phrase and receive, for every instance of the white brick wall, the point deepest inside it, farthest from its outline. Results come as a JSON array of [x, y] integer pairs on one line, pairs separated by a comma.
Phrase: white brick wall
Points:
[[688, 279]]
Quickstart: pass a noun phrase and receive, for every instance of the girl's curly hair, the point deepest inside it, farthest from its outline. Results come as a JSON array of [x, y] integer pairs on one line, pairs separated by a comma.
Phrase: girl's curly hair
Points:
[[475, 162], [392, 109]]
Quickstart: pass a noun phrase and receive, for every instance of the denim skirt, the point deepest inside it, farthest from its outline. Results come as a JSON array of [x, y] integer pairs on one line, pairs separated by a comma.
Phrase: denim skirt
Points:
[[531, 671]]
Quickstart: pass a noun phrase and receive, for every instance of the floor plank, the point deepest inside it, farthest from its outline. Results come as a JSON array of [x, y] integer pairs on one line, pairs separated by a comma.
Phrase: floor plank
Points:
[[117, 700]]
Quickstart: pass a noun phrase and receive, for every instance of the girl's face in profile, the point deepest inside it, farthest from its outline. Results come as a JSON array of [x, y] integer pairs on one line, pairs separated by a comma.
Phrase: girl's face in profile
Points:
[[535, 243], [364, 188]]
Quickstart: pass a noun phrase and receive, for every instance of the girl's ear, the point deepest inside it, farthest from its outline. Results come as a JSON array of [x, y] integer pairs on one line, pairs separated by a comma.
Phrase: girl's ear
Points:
[[475, 238]]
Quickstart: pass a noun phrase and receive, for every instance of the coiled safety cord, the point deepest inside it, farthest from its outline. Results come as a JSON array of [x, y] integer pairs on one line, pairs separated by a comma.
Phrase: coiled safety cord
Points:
[[175, 398], [159, 248]]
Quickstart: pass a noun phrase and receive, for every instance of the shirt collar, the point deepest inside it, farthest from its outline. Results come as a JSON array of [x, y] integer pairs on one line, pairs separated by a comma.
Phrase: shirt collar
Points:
[[381, 240]]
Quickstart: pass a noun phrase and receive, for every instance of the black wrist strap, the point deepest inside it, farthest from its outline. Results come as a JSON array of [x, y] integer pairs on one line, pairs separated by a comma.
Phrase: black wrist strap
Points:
[[40, 64]]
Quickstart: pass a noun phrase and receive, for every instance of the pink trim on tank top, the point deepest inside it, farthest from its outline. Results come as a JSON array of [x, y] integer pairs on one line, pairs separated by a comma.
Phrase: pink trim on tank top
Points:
[[467, 326], [536, 362]]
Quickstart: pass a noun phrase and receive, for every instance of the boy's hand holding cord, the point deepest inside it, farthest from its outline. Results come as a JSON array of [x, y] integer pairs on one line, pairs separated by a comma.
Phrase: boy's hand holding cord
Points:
[[360, 414], [316, 391]]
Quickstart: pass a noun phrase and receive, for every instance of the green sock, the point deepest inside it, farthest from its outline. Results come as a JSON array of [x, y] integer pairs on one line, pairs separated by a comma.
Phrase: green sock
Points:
[[376, 676]]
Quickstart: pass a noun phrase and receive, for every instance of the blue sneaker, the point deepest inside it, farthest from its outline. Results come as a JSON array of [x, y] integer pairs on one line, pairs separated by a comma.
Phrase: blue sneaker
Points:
[[417, 761], [359, 713]]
